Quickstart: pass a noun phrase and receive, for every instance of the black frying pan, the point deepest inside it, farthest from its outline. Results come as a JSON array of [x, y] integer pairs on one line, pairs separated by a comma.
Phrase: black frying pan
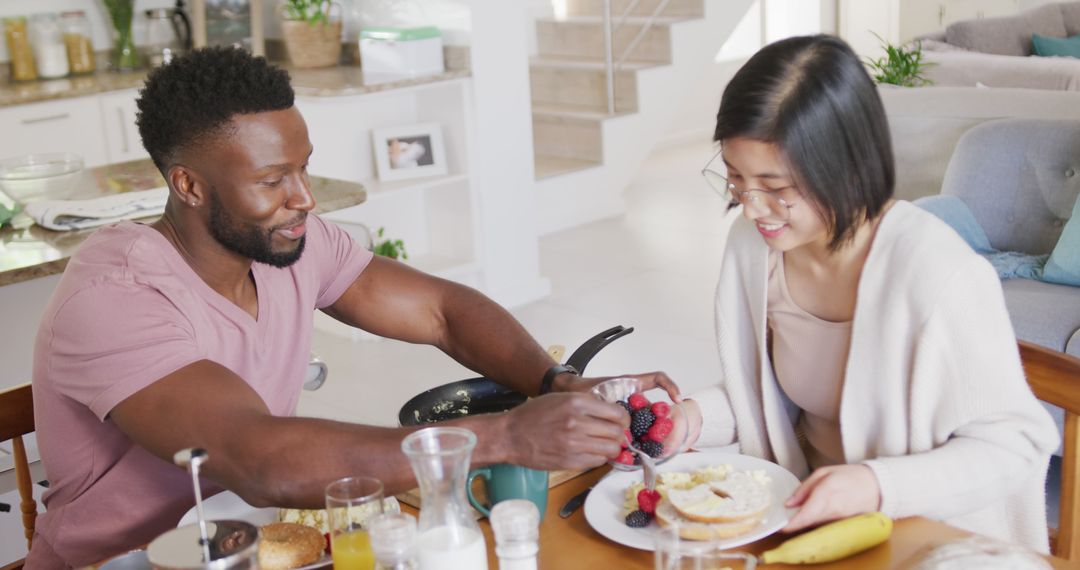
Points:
[[484, 395]]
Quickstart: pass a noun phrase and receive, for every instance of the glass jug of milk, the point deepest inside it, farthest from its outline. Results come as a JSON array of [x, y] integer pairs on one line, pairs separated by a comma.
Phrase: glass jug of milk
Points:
[[448, 537]]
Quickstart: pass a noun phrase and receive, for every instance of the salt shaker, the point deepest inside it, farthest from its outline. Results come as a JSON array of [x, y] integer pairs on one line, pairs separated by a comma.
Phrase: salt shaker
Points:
[[516, 523], [393, 541]]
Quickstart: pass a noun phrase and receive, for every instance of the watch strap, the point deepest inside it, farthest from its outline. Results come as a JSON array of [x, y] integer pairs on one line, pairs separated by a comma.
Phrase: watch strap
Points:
[[549, 376]]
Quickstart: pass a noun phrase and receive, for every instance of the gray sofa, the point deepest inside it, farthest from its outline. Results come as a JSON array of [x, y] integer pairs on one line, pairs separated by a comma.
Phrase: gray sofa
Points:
[[1020, 178], [997, 52]]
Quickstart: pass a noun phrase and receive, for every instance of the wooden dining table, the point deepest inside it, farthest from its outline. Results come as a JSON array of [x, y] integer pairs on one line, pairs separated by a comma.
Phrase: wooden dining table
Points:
[[570, 543]]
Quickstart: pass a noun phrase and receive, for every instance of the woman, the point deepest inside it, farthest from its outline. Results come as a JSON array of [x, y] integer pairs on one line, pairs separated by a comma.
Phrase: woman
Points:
[[861, 341]]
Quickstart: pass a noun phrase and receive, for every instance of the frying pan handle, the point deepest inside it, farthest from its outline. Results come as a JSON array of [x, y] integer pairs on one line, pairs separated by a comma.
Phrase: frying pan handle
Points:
[[581, 357]]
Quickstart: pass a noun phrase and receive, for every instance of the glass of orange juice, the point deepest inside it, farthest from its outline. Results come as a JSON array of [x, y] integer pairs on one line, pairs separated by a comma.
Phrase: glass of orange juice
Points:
[[350, 502]]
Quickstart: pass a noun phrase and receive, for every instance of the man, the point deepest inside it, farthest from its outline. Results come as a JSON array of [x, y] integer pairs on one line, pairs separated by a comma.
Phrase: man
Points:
[[195, 331]]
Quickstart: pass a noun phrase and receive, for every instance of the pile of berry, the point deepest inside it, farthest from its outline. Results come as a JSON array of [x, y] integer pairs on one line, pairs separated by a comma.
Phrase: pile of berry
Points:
[[649, 427], [646, 500]]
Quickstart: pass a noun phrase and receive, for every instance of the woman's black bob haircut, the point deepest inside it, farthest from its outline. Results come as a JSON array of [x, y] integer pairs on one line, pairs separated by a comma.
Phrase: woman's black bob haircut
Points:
[[813, 99]]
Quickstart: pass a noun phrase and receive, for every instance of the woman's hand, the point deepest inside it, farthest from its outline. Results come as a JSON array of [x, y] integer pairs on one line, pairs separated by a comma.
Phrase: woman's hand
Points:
[[833, 493]]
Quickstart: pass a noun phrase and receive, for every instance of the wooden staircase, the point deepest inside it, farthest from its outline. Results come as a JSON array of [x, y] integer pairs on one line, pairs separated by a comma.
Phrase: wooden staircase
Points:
[[568, 79]]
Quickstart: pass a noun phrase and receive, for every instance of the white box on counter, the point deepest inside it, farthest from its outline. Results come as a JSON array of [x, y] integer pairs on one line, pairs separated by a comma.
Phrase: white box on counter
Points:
[[394, 53]]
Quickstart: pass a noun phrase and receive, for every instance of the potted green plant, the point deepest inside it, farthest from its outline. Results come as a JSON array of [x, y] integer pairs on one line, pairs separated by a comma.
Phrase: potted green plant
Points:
[[124, 56], [312, 34], [392, 248], [901, 65]]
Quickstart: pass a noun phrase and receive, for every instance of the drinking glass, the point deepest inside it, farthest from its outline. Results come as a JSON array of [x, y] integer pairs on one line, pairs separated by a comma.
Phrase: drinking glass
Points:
[[674, 553], [350, 502]]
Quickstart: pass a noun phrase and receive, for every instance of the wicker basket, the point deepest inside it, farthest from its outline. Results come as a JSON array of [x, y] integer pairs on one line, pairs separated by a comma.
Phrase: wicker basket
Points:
[[312, 45]]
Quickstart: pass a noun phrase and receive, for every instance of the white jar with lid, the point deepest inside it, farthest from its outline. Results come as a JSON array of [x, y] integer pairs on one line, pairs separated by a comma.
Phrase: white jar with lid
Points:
[[516, 524], [47, 42]]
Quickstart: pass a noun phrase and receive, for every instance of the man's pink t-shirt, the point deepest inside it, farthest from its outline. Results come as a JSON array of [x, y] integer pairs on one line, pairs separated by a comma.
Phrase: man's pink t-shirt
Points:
[[128, 311]]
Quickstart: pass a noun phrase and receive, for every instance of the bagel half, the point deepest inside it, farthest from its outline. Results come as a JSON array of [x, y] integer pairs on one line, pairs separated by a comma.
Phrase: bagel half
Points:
[[667, 516], [283, 546], [738, 497]]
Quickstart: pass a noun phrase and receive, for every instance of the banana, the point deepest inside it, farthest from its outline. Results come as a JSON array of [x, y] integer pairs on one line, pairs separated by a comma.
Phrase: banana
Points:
[[833, 541]]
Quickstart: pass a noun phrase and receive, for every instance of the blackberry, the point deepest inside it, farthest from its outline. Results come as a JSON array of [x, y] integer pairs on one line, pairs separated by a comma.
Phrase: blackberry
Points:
[[640, 422], [652, 448], [638, 519], [626, 406]]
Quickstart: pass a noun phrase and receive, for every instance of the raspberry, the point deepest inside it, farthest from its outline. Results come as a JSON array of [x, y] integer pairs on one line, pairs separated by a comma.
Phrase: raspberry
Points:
[[625, 457], [652, 448], [638, 401], [626, 406], [641, 421], [647, 500], [638, 519], [660, 429], [626, 440], [661, 409]]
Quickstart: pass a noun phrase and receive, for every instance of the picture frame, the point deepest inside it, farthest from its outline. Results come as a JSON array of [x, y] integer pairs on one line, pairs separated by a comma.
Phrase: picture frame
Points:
[[409, 151]]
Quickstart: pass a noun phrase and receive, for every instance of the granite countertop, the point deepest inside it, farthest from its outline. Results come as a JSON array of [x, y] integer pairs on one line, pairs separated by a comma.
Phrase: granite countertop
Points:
[[33, 252], [335, 81]]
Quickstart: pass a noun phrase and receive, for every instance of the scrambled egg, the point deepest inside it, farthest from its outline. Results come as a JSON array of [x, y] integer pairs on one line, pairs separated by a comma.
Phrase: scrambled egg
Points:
[[319, 519], [685, 480]]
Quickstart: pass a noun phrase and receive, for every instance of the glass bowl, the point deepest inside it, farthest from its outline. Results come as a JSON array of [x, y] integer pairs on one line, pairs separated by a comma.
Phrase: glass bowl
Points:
[[619, 390], [40, 176]]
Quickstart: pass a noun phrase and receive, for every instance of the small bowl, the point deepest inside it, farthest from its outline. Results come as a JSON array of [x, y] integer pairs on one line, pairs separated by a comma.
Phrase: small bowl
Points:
[[40, 176], [620, 389]]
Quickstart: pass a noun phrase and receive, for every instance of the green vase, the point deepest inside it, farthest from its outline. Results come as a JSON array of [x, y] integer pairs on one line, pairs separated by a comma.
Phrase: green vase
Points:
[[124, 56]]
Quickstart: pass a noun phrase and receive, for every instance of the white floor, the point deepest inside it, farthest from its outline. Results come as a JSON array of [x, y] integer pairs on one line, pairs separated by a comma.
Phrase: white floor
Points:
[[653, 269]]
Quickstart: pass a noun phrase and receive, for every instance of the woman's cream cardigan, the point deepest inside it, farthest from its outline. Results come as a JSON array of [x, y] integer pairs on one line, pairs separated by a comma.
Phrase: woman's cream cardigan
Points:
[[934, 397]]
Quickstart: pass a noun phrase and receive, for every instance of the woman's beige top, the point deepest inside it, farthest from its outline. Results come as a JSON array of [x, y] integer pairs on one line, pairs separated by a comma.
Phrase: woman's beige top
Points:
[[809, 356]]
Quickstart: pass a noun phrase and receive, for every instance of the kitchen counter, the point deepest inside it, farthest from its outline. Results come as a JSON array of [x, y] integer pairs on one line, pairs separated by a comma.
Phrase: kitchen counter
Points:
[[34, 252], [325, 82]]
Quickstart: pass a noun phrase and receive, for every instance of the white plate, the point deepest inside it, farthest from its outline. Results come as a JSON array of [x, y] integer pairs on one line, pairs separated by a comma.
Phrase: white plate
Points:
[[229, 505], [604, 505]]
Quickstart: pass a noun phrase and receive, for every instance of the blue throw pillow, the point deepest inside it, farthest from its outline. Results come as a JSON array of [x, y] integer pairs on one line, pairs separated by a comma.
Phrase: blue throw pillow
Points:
[[1064, 264], [1046, 45]]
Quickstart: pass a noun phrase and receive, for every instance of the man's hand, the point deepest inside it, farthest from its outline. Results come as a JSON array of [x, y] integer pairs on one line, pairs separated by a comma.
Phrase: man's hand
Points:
[[646, 381], [565, 431], [833, 493]]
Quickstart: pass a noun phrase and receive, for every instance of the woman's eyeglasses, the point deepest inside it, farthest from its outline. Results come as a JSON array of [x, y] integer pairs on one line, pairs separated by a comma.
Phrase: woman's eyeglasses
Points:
[[735, 195]]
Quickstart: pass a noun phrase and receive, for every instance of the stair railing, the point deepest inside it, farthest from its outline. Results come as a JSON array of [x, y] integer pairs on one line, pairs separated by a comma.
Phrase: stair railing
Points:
[[613, 64]]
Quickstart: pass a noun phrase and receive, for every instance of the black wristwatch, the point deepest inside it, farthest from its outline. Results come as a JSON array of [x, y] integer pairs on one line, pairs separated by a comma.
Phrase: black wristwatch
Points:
[[549, 376]]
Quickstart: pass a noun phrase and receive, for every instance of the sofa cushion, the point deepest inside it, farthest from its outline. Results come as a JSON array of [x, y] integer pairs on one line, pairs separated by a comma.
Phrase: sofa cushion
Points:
[[1070, 16], [1009, 35], [1043, 313], [1064, 264], [1049, 47]]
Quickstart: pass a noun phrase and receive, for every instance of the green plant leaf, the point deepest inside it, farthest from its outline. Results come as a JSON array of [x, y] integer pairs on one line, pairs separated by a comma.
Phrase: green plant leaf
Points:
[[900, 65]]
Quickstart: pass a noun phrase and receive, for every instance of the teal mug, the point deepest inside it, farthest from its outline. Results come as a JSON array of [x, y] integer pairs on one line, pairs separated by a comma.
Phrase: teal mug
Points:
[[506, 481]]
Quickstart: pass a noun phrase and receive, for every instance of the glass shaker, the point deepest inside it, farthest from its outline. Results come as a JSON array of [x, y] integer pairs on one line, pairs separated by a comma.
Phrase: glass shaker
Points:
[[76, 32], [50, 54], [449, 538], [18, 44], [516, 523], [393, 541]]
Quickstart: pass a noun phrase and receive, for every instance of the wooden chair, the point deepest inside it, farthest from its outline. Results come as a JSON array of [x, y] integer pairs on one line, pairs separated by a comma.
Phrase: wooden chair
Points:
[[1055, 378], [17, 420]]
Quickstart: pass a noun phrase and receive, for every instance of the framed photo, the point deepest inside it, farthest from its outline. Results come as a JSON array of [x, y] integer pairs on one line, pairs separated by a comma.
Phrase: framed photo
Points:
[[409, 152]]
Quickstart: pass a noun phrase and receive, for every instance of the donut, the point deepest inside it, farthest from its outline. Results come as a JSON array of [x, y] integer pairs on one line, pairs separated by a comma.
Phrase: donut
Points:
[[283, 546]]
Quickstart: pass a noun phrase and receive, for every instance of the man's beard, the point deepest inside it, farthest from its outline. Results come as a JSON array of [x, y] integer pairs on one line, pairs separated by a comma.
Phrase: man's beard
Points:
[[249, 240]]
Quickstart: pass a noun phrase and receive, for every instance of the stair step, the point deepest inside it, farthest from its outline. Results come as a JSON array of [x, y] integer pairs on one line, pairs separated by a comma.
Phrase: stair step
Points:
[[685, 8], [547, 166], [583, 86], [568, 137], [572, 112], [585, 63], [583, 37]]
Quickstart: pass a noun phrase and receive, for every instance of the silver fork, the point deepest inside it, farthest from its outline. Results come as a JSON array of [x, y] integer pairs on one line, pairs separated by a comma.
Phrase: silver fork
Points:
[[648, 465]]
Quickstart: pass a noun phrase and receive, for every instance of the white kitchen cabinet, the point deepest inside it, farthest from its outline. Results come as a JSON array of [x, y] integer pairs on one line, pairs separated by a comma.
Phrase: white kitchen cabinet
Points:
[[67, 125], [122, 139], [434, 216]]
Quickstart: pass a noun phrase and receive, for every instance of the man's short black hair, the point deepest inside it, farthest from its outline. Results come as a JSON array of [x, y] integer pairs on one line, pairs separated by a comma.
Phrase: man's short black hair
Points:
[[813, 99], [196, 95]]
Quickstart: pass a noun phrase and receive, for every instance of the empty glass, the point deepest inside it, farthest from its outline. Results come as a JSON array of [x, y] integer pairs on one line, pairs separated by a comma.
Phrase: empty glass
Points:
[[674, 553]]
